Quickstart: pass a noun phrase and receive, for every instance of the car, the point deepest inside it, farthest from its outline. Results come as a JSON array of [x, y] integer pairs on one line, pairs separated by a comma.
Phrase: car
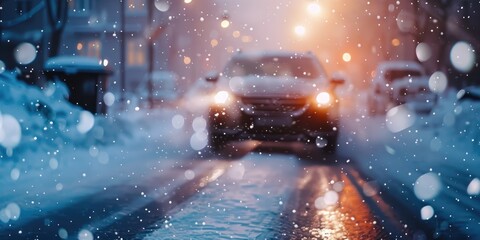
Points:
[[274, 96], [381, 96], [163, 88], [415, 94]]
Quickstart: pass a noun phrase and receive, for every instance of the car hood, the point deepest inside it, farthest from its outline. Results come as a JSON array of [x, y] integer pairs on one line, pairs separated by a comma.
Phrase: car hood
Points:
[[268, 86]]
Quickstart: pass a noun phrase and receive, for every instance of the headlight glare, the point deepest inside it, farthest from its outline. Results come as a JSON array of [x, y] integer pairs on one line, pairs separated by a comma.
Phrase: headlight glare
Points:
[[221, 97], [323, 99]]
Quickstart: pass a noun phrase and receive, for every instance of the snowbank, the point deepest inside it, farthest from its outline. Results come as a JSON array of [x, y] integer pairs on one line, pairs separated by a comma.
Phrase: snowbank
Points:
[[34, 119]]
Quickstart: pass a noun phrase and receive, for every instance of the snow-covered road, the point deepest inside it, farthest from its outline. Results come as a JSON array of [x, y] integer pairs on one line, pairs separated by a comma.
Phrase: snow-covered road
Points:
[[155, 180]]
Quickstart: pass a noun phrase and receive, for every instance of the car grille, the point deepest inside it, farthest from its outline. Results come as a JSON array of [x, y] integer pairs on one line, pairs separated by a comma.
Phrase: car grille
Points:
[[272, 104]]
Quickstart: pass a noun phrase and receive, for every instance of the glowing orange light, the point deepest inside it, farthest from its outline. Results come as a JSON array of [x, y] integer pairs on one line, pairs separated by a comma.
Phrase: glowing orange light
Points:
[[187, 60], [236, 34], [225, 23], [79, 46], [313, 8], [347, 57], [300, 30], [246, 39], [395, 42], [214, 42]]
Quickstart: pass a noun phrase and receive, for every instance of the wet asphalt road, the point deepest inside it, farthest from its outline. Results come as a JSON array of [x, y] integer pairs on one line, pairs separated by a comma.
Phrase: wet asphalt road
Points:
[[322, 197]]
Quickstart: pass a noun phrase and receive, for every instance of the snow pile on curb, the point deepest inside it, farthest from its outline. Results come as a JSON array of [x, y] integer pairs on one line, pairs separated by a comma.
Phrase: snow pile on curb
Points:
[[34, 119], [460, 117]]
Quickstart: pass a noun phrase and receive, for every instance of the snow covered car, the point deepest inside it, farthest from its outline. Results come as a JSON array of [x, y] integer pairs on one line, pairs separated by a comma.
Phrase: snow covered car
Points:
[[415, 93], [381, 93], [274, 96]]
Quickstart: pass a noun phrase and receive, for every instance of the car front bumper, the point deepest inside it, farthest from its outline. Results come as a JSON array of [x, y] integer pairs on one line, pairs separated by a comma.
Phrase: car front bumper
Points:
[[305, 124]]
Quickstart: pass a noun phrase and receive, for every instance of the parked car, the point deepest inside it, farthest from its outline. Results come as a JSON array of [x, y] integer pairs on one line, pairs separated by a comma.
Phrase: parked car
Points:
[[384, 92], [274, 96], [415, 93], [163, 88]]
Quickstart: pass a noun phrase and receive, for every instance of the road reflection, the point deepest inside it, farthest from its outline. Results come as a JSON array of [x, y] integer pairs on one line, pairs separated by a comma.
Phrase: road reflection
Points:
[[328, 205]]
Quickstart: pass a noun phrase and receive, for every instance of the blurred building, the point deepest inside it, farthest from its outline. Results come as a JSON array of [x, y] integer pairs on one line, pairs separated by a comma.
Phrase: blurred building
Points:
[[95, 29], [22, 37], [132, 37]]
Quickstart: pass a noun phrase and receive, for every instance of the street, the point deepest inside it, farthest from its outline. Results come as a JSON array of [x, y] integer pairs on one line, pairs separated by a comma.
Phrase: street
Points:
[[239, 119], [263, 195], [251, 190]]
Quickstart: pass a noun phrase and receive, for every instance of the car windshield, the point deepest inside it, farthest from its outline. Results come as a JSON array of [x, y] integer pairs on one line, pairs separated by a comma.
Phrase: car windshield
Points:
[[397, 74], [298, 67]]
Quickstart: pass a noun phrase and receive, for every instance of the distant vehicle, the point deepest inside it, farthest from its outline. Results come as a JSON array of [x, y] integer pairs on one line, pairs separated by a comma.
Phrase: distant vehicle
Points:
[[415, 93], [274, 96], [164, 87], [384, 92]]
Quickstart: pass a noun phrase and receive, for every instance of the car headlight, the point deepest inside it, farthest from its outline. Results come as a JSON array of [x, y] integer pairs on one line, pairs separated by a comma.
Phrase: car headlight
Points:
[[221, 97], [323, 99]]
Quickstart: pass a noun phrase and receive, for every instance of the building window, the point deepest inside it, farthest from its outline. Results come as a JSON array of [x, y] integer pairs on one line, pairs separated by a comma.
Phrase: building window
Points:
[[135, 52], [80, 5], [136, 5], [23, 6], [92, 48]]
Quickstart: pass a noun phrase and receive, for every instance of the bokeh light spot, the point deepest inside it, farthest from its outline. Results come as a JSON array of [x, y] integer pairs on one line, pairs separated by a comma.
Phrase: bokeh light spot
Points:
[[85, 235], [236, 171], [10, 131], [331, 198], [473, 188], [187, 60], [300, 30], [189, 174], [438, 82], [427, 186], [162, 5], [225, 23], [313, 8], [427, 212], [399, 118], [347, 57], [86, 122], [423, 52], [25, 53], [53, 163], [199, 124], [109, 99], [395, 42], [462, 56], [199, 140], [15, 174], [62, 233], [178, 121]]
